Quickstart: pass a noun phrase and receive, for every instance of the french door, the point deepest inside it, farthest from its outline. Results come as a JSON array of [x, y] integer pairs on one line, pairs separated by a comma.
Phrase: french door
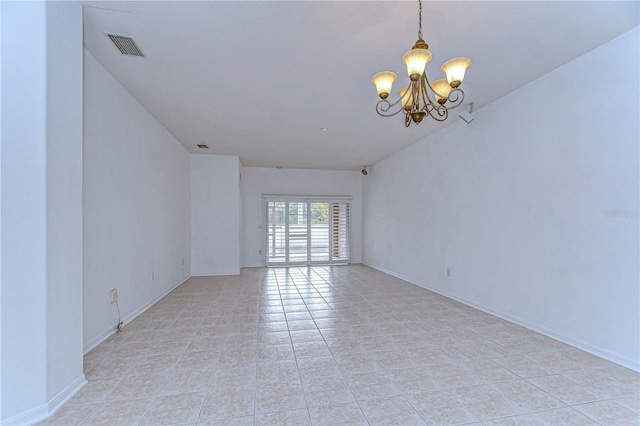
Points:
[[305, 231]]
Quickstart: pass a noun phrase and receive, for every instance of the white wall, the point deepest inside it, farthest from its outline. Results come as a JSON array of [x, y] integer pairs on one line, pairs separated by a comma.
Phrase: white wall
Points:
[[136, 205], [64, 196], [41, 208], [215, 215], [259, 181], [24, 383], [516, 205]]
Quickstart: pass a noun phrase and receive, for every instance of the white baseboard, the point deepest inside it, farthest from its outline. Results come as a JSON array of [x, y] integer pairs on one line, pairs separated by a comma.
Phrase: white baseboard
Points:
[[66, 394], [632, 364], [45, 411], [91, 344], [33, 416], [217, 273]]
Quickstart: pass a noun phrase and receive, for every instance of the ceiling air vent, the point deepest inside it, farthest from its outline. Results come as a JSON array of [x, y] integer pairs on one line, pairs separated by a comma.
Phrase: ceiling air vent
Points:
[[203, 146], [125, 45]]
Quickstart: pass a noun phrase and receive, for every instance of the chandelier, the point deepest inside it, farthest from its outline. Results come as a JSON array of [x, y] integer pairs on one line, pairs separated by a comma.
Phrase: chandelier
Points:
[[422, 97]]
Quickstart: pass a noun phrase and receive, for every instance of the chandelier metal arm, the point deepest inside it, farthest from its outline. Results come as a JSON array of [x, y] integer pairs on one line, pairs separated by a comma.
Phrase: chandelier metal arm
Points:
[[383, 106], [422, 102], [424, 88], [456, 97], [454, 100], [440, 114], [425, 93], [436, 111]]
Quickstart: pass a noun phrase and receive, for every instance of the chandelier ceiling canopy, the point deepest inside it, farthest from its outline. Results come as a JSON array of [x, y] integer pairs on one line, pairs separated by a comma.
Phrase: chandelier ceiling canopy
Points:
[[421, 97]]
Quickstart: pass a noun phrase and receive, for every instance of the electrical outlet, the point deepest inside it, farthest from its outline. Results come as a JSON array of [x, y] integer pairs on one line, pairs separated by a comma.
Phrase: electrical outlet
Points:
[[113, 294]]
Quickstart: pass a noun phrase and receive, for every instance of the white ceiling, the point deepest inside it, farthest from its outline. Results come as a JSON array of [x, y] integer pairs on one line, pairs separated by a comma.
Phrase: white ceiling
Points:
[[260, 79]]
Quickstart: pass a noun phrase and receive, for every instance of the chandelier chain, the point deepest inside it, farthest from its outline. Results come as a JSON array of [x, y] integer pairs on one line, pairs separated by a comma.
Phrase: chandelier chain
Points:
[[420, 20]]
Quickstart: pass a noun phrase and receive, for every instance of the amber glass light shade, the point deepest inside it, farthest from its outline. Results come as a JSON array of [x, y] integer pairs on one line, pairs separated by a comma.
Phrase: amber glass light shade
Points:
[[384, 81], [455, 69], [416, 60], [441, 89]]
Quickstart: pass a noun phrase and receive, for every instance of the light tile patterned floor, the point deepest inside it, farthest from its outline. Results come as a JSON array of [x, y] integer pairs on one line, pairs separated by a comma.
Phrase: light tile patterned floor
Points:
[[337, 346]]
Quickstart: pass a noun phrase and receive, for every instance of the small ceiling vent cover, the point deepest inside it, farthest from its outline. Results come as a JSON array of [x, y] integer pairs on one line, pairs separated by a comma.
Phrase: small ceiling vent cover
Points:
[[203, 146], [125, 45]]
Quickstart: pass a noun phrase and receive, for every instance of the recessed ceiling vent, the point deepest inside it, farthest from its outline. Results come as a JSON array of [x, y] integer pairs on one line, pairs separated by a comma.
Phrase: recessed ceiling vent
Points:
[[125, 45], [203, 146]]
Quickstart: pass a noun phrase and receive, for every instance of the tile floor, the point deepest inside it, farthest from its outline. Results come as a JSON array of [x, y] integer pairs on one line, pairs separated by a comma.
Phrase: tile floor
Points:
[[337, 346]]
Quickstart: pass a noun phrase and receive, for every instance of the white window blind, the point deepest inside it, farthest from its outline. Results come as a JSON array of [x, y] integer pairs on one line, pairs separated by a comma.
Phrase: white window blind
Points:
[[306, 231]]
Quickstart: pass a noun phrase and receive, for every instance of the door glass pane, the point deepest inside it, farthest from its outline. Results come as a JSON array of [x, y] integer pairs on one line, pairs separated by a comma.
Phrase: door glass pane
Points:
[[306, 232], [298, 234], [276, 241], [320, 232]]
